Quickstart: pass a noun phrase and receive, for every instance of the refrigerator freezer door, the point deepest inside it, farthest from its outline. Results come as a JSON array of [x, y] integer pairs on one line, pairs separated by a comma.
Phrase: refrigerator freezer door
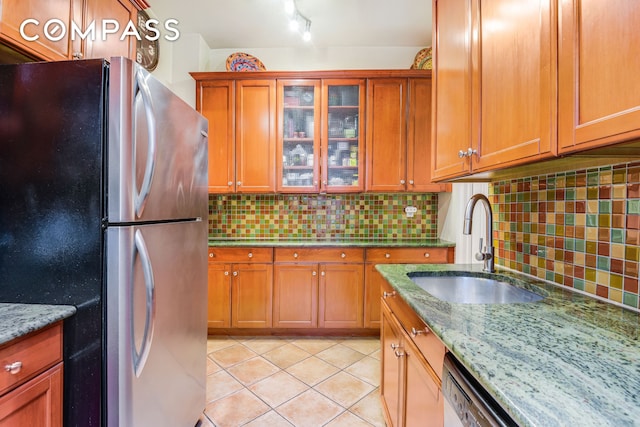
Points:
[[157, 166], [156, 324]]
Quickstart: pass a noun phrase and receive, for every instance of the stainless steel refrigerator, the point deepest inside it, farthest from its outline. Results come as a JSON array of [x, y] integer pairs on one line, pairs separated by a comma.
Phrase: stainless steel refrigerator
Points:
[[103, 205]]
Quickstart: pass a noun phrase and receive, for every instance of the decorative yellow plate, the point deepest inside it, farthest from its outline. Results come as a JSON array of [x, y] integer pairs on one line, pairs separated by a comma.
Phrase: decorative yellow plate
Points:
[[422, 61]]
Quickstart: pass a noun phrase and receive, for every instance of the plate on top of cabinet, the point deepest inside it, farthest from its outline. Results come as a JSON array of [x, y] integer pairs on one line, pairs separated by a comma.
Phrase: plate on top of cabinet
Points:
[[241, 61]]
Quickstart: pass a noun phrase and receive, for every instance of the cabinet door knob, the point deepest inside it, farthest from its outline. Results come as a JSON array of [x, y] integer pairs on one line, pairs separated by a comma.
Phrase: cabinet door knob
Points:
[[13, 368], [230, 183], [226, 273], [235, 273], [250, 254], [411, 181], [322, 274], [239, 183], [402, 181], [427, 255], [78, 55], [387, 255], [386, 294], [314, 273]]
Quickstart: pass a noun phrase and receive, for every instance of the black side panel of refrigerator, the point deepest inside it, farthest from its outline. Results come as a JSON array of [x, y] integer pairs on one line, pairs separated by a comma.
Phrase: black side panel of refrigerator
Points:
[[52, 139]]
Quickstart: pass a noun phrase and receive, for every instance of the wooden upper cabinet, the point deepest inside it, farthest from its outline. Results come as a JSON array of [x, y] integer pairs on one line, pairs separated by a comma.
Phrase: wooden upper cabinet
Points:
[[14, 12], [255, 124], [298, 142], [452, 102], [495, 84], [599, 65], [516, 77], [399, 135], [386, 134], [121, 11], [419, 175], [216, 101]]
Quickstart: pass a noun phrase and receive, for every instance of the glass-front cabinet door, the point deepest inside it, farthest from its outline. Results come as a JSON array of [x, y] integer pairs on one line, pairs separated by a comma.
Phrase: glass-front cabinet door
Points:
[[342, 135], [298, 136]]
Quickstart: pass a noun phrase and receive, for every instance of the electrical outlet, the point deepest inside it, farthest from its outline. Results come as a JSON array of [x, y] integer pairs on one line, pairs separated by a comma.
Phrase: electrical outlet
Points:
[[410, 210]]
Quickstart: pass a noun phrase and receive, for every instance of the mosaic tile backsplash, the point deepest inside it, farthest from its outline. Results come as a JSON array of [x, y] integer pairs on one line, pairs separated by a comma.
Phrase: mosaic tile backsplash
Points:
[[372, 217], [580, 229]]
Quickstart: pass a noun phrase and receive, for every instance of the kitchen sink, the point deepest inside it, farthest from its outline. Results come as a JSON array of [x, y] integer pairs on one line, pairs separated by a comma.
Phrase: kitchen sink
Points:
[[473, 290]]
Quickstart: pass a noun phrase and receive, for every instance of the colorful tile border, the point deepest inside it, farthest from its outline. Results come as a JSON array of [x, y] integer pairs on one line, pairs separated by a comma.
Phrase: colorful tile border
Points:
[[372, 217], [580, 229]]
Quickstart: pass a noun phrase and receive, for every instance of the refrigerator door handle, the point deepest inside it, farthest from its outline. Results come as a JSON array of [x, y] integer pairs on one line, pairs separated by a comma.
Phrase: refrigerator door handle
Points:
[[142, 87], [140, 358]]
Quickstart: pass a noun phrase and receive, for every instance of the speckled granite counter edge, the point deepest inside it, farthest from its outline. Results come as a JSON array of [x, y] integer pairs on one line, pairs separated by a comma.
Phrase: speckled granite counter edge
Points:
[[437, 243], [564, 361], [17, 320]]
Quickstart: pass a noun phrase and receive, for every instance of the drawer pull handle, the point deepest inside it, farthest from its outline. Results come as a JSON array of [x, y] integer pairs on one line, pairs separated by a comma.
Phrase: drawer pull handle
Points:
[[387, 255], [415, 332], [212, 255], [399, 353], [13, 368], [250, 255], [343, 255], [386, 294], [426, 255], [394, 346], [295, 254]]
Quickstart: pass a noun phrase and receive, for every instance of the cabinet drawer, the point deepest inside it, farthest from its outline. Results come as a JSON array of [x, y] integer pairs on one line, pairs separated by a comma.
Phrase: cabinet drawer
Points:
[[318, 255], [245, 255], [409, 255], [429, 344], [35, 353]]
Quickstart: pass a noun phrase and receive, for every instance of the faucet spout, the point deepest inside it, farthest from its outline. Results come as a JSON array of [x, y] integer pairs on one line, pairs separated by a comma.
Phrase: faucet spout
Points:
[[486, 254]]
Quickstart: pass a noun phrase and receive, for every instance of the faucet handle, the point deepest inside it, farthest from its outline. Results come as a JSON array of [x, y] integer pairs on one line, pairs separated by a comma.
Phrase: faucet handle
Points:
[[480, 255]]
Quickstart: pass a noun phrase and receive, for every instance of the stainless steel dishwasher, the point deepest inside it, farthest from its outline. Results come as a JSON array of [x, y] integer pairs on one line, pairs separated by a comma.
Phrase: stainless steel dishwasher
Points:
[[466, 402]]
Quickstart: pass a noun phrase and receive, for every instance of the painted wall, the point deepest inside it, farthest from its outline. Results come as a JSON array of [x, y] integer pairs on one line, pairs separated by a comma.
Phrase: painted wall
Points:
[[335, 58], [191, 53]]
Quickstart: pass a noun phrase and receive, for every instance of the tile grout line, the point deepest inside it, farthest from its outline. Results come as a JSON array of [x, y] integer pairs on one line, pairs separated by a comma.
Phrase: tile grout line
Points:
[[307, 387]]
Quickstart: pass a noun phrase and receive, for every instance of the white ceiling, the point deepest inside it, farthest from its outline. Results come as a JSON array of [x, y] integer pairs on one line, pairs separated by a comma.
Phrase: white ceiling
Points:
[[227, 24]]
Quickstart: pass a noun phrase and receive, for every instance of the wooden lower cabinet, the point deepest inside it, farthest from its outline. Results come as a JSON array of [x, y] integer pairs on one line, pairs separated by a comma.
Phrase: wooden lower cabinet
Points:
[[324, 295], [392, 361], [295, 296], [251, 295], [240, 288], [36, 403], [304, 288], [341, 296], [409, 387], [373, 279], [219, 298], [31, 394]]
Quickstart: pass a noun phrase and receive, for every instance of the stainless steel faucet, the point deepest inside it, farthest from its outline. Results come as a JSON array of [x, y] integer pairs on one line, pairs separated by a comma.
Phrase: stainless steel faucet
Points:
[[486, 253]]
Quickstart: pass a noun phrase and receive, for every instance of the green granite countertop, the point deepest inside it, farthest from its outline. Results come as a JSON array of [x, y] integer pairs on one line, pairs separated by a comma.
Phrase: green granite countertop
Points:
[[17, 320], [330, 243], [567, 360]]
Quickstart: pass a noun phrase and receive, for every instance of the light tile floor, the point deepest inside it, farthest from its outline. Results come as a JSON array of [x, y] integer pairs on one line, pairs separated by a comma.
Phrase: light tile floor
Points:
[[293, 381]]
